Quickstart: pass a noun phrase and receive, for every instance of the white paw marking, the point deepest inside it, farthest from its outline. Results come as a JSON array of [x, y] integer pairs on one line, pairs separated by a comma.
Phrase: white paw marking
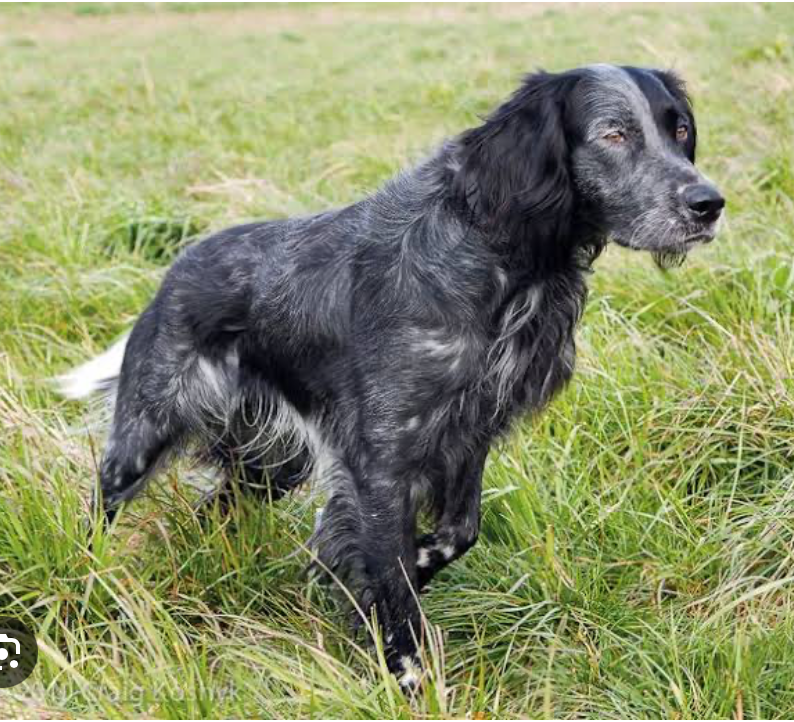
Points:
[[423, 559], [448, 551], [411, 672]]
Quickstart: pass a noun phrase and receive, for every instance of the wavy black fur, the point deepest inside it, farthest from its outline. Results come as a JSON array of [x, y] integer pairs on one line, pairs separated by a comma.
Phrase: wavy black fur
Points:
[[386, 345]]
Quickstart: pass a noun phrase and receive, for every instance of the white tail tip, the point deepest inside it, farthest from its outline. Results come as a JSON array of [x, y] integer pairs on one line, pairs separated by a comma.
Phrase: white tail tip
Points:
[[96, 375]]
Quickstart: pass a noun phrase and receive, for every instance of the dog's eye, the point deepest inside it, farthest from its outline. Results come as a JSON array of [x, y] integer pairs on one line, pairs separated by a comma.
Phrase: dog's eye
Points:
[[615, 136], [681, 133]]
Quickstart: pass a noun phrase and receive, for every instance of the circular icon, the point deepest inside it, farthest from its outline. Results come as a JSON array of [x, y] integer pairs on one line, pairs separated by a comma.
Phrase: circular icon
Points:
[[18, 652]]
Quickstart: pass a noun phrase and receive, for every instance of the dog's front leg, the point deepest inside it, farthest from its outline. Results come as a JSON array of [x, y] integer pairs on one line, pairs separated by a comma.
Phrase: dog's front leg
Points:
[[458, 516], [389, 546], [366, 538]]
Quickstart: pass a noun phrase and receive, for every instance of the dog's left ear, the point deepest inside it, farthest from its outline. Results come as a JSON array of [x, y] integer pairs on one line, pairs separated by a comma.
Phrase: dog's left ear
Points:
[[515, 168]]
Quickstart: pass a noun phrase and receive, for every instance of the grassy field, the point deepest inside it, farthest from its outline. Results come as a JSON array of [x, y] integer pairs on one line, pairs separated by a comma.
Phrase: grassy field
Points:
[[637, 557]]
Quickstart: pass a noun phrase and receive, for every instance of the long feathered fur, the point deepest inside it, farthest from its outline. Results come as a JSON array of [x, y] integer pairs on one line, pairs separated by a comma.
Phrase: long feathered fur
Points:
[[387, 345]]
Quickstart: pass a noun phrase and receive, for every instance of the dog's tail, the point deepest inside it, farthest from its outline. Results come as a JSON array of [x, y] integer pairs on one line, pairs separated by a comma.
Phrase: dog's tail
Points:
[[99, 375]]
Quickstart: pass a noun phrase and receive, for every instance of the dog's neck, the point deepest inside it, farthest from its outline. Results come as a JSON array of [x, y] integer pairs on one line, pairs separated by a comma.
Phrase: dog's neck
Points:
[[531, 243]]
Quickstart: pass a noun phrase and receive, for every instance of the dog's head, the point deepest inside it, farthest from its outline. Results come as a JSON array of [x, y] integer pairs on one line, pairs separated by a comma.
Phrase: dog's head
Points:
[[614, 146]]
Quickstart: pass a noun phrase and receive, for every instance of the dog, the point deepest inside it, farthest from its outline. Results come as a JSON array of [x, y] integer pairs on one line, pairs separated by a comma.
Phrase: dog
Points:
[[382, 348]]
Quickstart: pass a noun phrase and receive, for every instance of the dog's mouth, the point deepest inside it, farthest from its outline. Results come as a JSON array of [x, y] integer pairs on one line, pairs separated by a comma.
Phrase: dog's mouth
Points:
[[704, 236], [670, 244], [674, 256], [669, 258]]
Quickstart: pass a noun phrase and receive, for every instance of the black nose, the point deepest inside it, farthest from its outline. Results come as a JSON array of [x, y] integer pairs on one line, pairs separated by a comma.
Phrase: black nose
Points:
[[704, 201]]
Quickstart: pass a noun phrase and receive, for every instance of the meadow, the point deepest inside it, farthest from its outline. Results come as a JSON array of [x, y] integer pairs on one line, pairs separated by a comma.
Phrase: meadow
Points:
[[637, 554]]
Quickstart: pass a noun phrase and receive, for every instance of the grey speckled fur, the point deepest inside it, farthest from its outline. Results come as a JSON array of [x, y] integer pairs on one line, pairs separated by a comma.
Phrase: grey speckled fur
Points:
[[386, 345]]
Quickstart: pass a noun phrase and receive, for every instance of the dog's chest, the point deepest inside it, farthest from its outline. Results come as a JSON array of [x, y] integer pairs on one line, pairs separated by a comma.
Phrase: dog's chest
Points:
[[471, 382], [531, 353]]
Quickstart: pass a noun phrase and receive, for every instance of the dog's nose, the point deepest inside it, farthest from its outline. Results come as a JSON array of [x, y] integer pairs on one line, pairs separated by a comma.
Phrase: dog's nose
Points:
[[704, 201]]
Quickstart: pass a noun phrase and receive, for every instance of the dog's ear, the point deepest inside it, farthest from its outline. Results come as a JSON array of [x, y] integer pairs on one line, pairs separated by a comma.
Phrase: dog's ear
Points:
[[677, 88], [515, 168]]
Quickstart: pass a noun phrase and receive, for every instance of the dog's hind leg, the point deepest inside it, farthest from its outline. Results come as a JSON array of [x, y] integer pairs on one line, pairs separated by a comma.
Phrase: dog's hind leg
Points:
[[147, 420], [140, 435], [458, 521], [136, 443]]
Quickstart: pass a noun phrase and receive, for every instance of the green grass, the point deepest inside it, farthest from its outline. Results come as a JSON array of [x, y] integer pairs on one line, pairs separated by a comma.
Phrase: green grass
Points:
[[637, 556]]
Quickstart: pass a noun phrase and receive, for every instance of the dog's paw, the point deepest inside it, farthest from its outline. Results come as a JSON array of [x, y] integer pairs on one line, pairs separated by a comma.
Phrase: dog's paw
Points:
[[408, 670]]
